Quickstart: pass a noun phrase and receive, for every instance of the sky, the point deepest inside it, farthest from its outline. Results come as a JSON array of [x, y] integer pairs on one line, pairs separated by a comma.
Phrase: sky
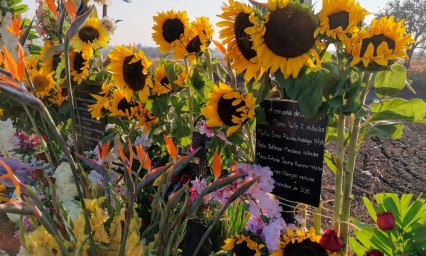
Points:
[[136, 17]]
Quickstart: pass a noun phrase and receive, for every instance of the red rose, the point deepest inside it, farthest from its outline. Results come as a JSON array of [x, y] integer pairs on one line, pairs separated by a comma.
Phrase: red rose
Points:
[[37, 174], [375, 252], [331, 241], [385, 221]]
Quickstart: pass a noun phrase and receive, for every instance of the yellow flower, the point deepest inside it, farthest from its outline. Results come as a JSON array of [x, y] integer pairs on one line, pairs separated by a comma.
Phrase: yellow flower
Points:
[[92, 35], [228, 107], [161, 82], [121, 107], [169, 28], [40, 242], [243, 58], [300, 242], [243, 245], [79, 67], [49, 62], [43, 82], [58, 96], [339, 18], [385, 40], [129, 68], [285, 39], [146, 119], [195, 41]]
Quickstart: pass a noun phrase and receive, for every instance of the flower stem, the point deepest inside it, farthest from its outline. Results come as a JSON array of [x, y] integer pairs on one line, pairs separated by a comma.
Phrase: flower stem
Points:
[[37, 131], [350, 165], [339, 172], [317, 219], [209, 64]]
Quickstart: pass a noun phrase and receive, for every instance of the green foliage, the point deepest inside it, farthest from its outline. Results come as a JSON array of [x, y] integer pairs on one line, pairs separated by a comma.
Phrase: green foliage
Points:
[[406, 238], [397, 109], [389, 82]]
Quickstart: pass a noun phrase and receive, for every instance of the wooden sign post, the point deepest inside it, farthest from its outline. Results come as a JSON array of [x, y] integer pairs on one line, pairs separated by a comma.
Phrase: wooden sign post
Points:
[[91, 130], [293, 147]]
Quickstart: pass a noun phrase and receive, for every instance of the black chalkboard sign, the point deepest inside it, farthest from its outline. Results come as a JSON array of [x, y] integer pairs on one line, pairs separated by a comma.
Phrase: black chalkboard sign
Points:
[[90, 130], [293, 147]]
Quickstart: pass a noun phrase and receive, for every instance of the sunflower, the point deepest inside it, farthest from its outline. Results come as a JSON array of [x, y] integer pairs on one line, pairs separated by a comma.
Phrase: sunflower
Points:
[[285, 40], [339, 18], [243, 245], [195, 41], [103, 100], [228, 107], [169, 28], [161, 82], [385, 40], [129, 68], [300, 243], [243, 57], [121, 107], [58, 96], [43, 82], [92, 35], [49, 62], [79, 67], [146, 119]]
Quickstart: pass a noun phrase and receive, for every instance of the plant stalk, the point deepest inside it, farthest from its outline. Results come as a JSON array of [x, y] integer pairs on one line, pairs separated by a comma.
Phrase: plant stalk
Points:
[[339, 172], [350, 165]]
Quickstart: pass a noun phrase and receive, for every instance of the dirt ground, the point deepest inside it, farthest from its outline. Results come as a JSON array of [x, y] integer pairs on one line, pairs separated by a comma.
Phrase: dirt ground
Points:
[[393, 166]]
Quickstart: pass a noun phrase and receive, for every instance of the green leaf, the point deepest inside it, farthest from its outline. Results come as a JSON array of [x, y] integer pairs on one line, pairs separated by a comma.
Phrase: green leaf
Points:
[[370, 208], [358, 249], [391, 130], [289, 85], [397, 109], [331, 161], [390, 82]]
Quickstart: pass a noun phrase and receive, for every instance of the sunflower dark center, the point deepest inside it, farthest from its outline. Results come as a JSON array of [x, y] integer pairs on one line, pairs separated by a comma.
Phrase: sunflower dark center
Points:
[[376, 40], [305, 248], [56, 59], [88, 34], [164, 82], [124, 105], [225, 110], [338, 19], [40, 83], [289, 32], [194, 45], [79, 62], [133, 75], [172, 29], [242, 38], [242, 249]]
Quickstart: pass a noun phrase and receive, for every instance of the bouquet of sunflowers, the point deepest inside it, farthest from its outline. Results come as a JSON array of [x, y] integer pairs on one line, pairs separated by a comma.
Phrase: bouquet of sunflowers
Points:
[[178, 144]]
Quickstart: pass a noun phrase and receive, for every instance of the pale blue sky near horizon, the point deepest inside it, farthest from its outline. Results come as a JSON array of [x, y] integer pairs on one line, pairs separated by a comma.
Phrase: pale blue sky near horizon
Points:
[[137, 21]]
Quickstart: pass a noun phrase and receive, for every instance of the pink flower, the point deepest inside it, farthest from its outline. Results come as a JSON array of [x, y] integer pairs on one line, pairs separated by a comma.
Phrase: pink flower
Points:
[[385, 221], [204, 129], [331, 241]]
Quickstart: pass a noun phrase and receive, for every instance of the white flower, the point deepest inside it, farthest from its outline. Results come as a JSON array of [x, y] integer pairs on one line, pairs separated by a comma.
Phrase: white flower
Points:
[[73, 208], [109, 24], [64, 183], [95, 177], [7, 132], [143, 139]]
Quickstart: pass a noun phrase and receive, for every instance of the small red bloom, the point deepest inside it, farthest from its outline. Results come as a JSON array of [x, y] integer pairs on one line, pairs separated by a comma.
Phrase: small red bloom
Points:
[[331, 241], [375, 252], [37, 174], [385, 221]]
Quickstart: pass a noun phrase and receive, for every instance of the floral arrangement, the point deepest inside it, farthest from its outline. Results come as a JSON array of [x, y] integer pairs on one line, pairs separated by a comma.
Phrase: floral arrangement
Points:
[[178, 144]]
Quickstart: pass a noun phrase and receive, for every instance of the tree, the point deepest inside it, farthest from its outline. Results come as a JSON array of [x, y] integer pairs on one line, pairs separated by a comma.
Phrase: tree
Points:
[[414, 14]]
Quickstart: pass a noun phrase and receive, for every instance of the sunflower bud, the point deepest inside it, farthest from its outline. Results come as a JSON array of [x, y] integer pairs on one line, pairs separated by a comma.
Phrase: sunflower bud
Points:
[[375, 252], [331, 241], [385, 221]]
